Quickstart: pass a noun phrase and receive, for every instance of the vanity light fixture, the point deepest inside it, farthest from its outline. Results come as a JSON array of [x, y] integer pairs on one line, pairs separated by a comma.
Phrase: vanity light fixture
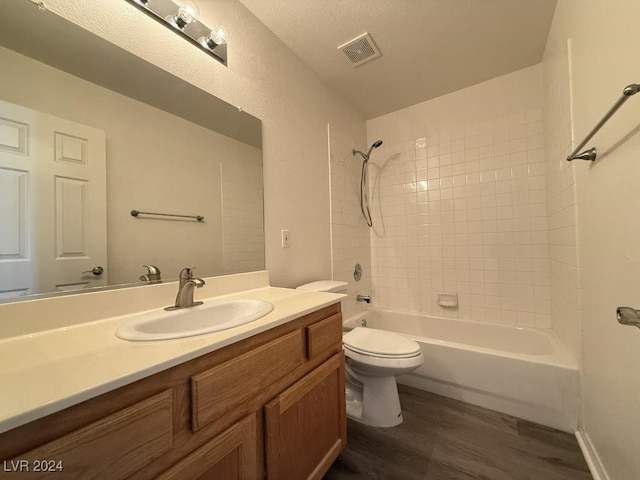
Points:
[[182, 16]]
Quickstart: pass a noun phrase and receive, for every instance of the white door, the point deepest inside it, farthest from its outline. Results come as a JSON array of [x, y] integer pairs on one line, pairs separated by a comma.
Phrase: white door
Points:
[[52, 203]]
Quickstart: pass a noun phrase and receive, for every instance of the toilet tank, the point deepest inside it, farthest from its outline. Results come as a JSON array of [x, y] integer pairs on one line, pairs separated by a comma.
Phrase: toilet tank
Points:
[[332, 286]]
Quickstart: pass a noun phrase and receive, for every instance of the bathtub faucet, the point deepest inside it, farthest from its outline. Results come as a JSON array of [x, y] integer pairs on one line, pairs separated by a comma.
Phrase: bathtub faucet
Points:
[[363, 298]]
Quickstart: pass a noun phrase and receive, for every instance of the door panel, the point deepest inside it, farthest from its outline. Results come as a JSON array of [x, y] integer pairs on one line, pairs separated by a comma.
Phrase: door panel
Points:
[[52, 202]]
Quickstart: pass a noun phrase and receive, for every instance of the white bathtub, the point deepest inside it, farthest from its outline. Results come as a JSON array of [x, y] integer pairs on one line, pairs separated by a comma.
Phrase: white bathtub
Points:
[[520, 371]]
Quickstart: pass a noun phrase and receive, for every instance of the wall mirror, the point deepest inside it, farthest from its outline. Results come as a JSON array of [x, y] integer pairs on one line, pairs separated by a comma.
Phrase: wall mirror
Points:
[[90, 132]]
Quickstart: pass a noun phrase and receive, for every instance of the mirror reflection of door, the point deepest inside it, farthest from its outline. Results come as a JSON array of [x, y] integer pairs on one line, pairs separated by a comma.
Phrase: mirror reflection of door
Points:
[[52, 203]]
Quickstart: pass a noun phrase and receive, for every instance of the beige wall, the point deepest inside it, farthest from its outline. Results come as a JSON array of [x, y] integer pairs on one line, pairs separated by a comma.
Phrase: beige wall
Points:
[[604, 38], [350, 242], [268, 81], [460, 204]]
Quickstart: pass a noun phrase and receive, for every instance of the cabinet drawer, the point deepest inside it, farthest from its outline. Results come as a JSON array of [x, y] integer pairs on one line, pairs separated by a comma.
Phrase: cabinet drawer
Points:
[[113, 447], [225, 386], [324, 335]]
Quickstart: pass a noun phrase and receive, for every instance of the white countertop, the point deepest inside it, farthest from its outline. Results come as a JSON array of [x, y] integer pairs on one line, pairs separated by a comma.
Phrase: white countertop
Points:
[[47, 371]]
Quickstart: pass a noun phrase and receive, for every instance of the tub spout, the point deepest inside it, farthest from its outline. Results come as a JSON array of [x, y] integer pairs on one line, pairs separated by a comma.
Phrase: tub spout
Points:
[[363, 298]]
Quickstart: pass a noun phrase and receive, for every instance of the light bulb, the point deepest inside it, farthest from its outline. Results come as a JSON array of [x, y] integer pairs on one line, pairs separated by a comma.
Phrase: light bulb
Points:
[[188, 12], [218, 36]]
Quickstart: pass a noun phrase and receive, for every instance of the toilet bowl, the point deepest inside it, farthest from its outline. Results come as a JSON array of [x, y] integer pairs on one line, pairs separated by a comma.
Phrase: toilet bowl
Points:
[[373, 360]]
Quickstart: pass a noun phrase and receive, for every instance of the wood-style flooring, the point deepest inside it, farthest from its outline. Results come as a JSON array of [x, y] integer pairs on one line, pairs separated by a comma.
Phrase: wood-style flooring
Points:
[[445, 439]]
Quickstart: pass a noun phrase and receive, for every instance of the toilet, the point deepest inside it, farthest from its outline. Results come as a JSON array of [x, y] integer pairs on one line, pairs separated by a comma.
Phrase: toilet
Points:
[[373, 360]]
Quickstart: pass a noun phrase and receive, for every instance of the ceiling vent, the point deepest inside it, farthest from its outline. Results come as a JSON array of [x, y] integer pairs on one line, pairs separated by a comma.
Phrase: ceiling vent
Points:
[[360, 50]]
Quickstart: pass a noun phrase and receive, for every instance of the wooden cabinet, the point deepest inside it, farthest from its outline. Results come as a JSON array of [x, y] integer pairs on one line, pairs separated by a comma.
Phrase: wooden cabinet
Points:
[[305, 425], [272, 404]]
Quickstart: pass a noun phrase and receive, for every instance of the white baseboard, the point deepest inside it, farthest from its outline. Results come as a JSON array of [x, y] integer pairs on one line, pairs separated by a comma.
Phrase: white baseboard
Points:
[[591, 456]]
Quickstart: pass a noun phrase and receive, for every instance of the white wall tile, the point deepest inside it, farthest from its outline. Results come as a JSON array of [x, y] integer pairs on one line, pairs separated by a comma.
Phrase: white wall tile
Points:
[[482, 220]]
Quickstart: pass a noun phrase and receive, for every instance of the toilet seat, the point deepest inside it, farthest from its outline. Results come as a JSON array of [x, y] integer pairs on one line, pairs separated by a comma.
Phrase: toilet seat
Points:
[[380, 344], [377, 355]]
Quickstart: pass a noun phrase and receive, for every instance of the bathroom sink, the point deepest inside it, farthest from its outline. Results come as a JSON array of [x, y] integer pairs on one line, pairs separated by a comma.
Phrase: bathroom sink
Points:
[[188, 322]]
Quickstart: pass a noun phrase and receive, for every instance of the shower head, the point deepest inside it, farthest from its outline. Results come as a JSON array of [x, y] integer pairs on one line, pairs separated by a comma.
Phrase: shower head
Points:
[[375, 144]]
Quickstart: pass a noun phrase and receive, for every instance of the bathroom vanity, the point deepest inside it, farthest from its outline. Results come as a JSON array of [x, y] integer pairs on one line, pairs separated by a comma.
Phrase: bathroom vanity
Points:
[[270, 405]]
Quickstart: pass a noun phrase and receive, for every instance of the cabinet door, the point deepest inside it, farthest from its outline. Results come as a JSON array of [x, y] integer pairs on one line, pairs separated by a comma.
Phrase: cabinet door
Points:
[[114, 447], [232, 455], [306, 425]]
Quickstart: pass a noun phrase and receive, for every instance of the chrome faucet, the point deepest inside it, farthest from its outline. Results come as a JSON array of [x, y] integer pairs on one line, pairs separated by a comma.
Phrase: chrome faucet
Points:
[[152, 276], [184, 299], [363, 298]]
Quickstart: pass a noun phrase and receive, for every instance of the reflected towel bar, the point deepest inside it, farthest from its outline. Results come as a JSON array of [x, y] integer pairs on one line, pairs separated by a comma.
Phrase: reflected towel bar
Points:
[[592, 152], [135, 213]]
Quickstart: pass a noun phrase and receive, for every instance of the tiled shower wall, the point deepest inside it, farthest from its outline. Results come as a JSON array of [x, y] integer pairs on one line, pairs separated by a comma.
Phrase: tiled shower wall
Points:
[[459, 204]]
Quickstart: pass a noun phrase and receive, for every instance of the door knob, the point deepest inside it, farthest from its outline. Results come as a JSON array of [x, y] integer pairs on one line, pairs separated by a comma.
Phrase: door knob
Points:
[[97, 270], [628, 316]]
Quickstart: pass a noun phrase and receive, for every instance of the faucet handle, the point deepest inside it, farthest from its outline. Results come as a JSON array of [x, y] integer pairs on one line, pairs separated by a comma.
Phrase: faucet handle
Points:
[[186, 273]]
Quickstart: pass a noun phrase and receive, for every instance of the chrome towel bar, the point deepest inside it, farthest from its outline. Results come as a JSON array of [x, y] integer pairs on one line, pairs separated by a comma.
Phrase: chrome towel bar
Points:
[[135, 213], [591, 154]]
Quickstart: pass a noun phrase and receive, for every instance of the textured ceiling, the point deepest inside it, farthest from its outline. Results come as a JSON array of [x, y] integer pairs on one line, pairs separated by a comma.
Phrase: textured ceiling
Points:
[[429, 47]]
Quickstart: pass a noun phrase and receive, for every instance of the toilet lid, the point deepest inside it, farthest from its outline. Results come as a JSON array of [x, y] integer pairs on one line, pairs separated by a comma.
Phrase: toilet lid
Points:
[[325, 286], [382, 343]]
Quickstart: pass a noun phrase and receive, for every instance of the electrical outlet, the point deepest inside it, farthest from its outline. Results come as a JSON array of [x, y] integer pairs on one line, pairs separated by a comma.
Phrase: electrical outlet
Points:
[[285, 238]]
